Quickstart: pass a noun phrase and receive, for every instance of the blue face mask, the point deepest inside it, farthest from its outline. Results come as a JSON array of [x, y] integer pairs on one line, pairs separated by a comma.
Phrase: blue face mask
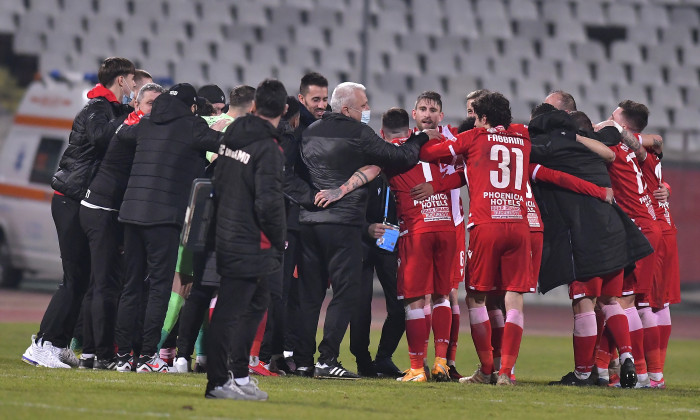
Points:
[[126, 99], [365, 116]]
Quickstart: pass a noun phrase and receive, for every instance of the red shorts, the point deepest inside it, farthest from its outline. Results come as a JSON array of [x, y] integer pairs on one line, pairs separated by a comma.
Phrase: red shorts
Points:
[[641, 280], [460, 256], [425, 264], [606, 285], [667, 279], [500, 257], [536, 240]]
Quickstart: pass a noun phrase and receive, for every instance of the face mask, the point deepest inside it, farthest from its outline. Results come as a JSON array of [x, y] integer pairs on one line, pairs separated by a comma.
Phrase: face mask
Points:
[[365, 116], [127, 98]]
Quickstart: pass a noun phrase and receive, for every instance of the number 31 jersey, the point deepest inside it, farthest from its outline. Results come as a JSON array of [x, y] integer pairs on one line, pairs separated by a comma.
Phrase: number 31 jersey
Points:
[[496, 166]]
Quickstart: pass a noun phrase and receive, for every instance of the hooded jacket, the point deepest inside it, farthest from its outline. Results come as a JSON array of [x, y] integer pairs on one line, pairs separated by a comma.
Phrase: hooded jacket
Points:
[[92, 129], [170, 146], [333, 148], [250, 212], [583, 236]]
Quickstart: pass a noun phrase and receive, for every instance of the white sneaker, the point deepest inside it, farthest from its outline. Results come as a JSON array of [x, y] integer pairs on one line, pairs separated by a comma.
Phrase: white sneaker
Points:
[[154, 364], [181, 365], [251, 390], [67, 356], [46, 355], [28, 356]]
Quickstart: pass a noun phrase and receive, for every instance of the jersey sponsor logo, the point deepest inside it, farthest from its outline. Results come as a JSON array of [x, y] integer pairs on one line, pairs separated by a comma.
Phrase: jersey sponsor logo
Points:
[[435, 208], [238, 155]]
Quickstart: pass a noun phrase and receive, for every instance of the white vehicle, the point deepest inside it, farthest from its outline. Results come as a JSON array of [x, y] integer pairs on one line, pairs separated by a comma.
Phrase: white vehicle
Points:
[[28, 160]]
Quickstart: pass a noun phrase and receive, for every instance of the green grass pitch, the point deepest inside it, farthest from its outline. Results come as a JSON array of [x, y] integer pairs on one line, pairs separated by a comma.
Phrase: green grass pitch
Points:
[[28, 392]]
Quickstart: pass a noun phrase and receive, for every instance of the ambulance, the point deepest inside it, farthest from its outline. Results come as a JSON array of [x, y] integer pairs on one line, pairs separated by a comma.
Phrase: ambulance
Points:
[[29, 157]]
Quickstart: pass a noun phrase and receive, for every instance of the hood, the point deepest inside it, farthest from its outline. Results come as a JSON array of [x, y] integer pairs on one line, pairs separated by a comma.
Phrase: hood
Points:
[[305, 117], [284, 128], [167, 108], [547, 122], [247, 130], [101, 91]]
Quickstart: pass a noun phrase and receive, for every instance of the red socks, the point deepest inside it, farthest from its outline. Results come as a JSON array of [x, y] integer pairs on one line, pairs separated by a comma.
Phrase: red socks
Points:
[[497, 324], [415, 336], [481, 335], [454, 336], [512, 336], [585, 336], [618, 327], [442, 319], [255, 348]]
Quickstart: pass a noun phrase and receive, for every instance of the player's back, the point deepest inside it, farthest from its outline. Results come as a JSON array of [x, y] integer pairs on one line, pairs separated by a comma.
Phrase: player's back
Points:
[[497, 163], [629, 186]]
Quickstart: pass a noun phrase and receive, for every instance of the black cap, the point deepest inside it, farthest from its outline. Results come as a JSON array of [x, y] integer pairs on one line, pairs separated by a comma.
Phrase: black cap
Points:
[[184, 92], [213, 93]]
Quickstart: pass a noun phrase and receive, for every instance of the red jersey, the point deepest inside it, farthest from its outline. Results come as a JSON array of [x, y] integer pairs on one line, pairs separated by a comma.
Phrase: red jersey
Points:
[[651, 171], [629, 186], [434, 214], [496, 166]]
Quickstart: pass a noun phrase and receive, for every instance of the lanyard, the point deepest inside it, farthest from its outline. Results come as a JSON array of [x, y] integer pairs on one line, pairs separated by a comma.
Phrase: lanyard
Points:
[[386, 205]]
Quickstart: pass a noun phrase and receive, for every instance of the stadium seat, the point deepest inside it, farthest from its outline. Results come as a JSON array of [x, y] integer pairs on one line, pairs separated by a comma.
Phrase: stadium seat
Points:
[[113, 8], [685, 118], [685, 16], [495, 27], [251, 13], [325, 17], [530, 90], [461, 85], [519, 47], [622, 14], [53, 60], [648, 73], [542, 70], [148, 8], [523, 10], [633, 91], [531, 29], [576, 72], [190, 70], [556, 11], [496, 83], [509, 65], [491, 10], [429, 82], [610, 72], [300, 56], [217, 12], [12, 6], [626, 52], [405, 62], [444, 63], [390, 82], [453, 104], [336, 59], [683, 76], [589, 12], [460, 20], [28, 42], [7, 23], [181, 10], [666, 96], [557, 49], [265, 53], [589, 52], [569, 31], [310, 36], [239, 33], [673, 142], [654, 15], [643, 35], [521, 109], [276, 34]]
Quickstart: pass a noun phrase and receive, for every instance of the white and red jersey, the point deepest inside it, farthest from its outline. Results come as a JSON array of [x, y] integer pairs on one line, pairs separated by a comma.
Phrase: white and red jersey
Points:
[[497, 162], [533, 212], [651, 171], [629, 186], [434, 214], [449, 133]]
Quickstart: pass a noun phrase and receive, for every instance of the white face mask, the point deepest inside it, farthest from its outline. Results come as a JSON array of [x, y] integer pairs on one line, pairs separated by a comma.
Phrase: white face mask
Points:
[[365, 116]]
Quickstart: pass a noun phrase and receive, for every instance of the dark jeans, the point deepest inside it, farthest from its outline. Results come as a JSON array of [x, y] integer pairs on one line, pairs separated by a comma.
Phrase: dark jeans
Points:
[[240, 306], [60, 317], [152, 251], [273, 339], [196, 307], [330, 252], [394, 324], [106, 236]]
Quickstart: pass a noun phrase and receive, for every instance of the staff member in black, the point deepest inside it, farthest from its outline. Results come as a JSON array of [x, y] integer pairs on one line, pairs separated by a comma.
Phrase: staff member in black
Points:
[[90, 134], [250, 234], [333, 149], [170, 146]]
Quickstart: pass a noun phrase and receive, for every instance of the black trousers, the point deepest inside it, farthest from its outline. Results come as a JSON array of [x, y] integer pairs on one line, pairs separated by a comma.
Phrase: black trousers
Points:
[[273, 340], [60, 317], [330, 252], [106, 237], [240, 306], [290, 290], [152, 251], [385, 265], [196, 307]]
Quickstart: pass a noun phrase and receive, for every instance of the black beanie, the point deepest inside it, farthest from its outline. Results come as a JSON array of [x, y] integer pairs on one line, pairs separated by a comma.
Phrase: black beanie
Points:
[[213, 93], [184, 92]]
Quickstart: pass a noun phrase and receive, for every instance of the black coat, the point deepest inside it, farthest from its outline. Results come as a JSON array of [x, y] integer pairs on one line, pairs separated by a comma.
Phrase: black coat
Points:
[[583, 236], [250, 214], [333, 148], [170, 146], [90, 134]]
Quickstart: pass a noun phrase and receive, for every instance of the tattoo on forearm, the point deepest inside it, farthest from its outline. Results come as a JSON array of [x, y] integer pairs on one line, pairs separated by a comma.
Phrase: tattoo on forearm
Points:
[[630, 140], [657, 144]]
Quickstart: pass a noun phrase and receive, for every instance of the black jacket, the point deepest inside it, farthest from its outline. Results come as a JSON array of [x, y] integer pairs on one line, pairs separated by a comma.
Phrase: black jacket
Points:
[[583, 236], [333, 148], [170, 145], [376, 202], [250, 216], [92, 130], [290, 146]]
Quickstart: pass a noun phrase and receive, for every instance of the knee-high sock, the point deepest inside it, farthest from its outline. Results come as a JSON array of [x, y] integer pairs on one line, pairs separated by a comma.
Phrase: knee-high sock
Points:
[[637, 339], [651, 341], [618, 326], [663, 319], [585, 335], [498, 321], [257, 341], [427, 313], [512, 336], [174, 306], [415, 336], [442, 318], [454, 336], [481, 335]]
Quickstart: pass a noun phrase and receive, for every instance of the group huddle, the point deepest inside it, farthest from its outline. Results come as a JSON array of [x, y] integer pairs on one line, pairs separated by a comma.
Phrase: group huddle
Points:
[[307, 197]]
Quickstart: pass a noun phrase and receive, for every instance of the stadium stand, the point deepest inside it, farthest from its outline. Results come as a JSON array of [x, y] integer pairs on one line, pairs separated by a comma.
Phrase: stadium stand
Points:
[[600, 50]]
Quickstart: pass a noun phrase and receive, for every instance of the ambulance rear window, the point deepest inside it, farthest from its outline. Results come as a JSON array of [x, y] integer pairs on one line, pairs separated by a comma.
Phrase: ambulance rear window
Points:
[[46, 160]]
